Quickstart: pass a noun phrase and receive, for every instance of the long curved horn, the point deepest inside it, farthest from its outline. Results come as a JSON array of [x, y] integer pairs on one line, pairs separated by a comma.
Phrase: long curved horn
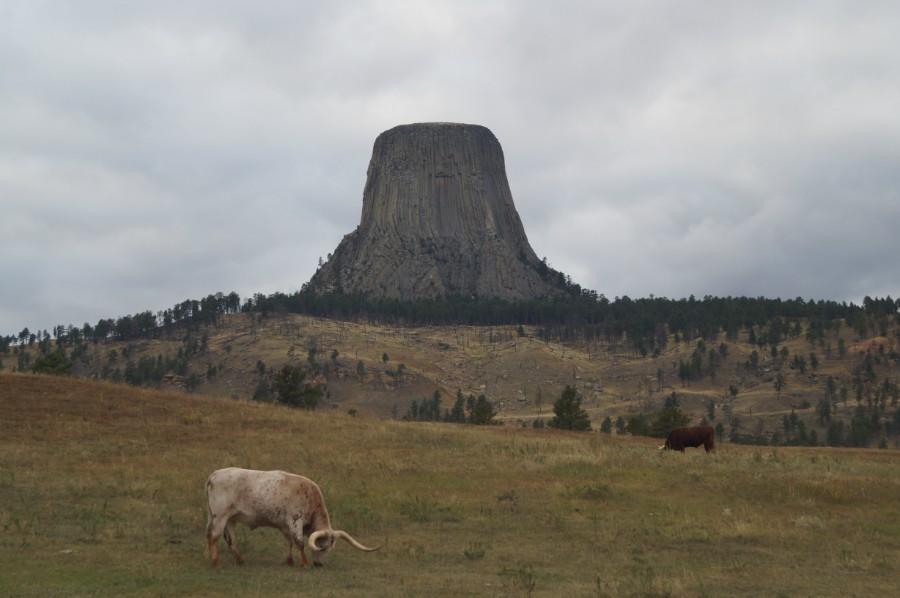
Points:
[[314, 538], [350, 539]]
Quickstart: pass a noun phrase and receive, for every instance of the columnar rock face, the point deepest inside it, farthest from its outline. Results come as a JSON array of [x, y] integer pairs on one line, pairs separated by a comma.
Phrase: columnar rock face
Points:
[[438, 220]]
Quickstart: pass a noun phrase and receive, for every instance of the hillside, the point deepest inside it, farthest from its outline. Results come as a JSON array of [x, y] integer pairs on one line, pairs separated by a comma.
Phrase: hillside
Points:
[[519, 373], [101, 493]]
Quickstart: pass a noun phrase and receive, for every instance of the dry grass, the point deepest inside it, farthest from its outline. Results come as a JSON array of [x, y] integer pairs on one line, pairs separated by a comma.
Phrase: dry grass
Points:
[[101, 493]]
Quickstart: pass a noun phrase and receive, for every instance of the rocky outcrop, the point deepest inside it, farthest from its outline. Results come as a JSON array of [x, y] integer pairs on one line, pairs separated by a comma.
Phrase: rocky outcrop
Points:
[[438, 220]]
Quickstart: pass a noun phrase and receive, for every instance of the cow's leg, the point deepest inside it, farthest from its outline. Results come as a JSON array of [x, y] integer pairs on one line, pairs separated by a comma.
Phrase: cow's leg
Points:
[[212, 540], [289, 558], [303, 561], [231, 538]]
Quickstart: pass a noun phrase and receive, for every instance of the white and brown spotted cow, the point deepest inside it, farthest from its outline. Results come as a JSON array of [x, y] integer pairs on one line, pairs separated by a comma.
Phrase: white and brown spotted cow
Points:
[[290, 503]]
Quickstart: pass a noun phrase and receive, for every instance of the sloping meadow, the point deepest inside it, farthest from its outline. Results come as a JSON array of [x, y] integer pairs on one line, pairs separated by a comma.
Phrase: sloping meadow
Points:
[[102, 493]]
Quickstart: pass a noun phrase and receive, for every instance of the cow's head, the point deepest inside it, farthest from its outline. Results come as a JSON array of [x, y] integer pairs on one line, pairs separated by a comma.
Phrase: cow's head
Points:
[[322, 541], [321, 544]]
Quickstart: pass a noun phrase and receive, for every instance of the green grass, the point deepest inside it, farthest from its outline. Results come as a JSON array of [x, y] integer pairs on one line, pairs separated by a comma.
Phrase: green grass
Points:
[[101, 494]]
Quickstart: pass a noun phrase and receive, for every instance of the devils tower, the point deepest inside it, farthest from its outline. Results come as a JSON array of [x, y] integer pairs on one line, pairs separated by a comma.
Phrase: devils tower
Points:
[[438, 220]]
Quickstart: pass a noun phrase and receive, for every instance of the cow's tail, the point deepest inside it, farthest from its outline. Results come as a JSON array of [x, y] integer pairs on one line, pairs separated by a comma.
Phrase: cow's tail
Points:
[[209, 521]]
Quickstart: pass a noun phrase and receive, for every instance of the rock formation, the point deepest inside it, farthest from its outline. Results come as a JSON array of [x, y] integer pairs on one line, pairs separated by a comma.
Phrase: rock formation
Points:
[[437, 221]]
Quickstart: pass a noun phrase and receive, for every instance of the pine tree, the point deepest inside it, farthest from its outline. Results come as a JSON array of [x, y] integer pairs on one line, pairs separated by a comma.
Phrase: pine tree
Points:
[[568, 412], [669, 418], [780, 383], [292, 389], [55, 364], [483, 412], [606, 426], [458, 414]]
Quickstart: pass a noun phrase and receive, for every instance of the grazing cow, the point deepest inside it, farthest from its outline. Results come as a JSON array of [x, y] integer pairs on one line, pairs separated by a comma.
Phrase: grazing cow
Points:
[[680, 438], [290, 503]]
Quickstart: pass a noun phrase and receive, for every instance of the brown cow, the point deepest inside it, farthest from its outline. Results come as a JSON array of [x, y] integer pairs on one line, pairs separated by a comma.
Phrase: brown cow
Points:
[[680, 438]]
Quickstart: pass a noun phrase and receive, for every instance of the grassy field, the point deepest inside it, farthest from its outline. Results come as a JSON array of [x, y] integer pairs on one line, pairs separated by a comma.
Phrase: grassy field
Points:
[[101, 494]]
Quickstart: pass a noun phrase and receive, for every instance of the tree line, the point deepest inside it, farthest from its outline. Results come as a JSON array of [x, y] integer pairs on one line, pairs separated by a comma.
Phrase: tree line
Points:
[[645, 324], [567, 410]]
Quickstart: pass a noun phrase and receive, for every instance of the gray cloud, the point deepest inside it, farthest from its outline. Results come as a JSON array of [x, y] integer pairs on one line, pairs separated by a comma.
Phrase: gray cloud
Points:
[[158, 151]]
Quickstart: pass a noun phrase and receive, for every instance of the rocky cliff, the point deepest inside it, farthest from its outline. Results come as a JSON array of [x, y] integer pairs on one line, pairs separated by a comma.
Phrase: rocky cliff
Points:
[[437, 220]]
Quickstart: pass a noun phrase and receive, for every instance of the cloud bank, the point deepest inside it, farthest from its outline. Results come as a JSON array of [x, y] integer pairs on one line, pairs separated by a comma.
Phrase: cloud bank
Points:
[[157, 151]]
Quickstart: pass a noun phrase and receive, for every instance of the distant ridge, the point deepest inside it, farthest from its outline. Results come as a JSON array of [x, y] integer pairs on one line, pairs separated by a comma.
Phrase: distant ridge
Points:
[[438, 220]]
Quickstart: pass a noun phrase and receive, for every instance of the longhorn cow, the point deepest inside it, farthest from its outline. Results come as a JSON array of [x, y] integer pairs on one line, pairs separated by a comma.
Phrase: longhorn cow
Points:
[[290, 503]]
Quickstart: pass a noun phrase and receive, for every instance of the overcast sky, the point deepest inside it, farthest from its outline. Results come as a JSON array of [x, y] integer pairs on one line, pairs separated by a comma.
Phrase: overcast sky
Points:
[[152, 152]]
